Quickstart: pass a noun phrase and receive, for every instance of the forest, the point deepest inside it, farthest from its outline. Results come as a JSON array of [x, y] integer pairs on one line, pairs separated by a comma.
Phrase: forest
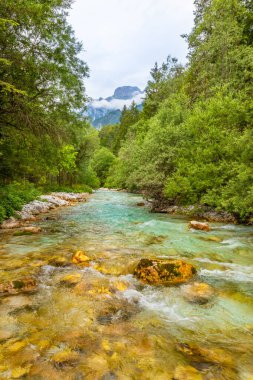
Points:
[[192, 143]]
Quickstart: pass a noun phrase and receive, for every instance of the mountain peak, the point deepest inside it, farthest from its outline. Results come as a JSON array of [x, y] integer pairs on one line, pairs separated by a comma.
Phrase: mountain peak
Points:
[[108, 111], [126, 92]]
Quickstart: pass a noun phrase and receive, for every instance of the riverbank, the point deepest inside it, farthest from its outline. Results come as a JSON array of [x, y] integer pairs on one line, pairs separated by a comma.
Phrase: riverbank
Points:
[[195, 211], [32, 210]]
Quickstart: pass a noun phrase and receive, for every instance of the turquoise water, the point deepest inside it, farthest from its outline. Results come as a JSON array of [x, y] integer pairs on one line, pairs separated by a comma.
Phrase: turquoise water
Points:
[[107, 325]]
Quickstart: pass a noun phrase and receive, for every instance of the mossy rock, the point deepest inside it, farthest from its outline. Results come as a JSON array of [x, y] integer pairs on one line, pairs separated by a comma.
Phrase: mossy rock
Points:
[[25, 285], [164, 272]]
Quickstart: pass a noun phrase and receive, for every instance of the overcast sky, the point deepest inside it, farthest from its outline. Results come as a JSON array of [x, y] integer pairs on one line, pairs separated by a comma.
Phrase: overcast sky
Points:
[[122, 39]]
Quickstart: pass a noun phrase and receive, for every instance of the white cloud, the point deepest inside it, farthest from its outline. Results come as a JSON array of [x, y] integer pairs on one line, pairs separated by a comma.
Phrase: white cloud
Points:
[[117, 104], [123, 38]]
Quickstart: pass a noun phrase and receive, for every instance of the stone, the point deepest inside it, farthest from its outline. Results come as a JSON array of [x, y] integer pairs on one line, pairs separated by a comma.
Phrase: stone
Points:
[[27, 231], [59, 262], [214, 239], [140, 204], [205, 354], [164, 272], [17, 346], [19, 372], [198, 292], [71, 279], [25, 285], [67, 357], [199, 226], [10, 223], [80, 258], [187, 373]]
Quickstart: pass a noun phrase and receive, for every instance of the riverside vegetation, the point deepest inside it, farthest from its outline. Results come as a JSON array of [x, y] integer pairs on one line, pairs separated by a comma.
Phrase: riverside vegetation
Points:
[[192, 143]]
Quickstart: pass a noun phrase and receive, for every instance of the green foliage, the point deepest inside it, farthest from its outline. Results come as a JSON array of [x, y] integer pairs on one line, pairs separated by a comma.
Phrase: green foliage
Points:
[[193, 143], [44, 137], [14, 196], [102, 161]]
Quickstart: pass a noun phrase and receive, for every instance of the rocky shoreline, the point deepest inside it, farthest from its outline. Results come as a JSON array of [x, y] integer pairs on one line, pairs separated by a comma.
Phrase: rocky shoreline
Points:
[[198, 212], [32, 210]]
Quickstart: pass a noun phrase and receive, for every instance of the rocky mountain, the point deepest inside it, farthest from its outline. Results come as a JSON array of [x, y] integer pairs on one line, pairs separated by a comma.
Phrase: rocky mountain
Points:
[[107, 111]]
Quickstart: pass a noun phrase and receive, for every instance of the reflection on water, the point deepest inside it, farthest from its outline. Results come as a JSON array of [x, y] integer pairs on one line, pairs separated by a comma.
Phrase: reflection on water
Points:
[[99, 322]]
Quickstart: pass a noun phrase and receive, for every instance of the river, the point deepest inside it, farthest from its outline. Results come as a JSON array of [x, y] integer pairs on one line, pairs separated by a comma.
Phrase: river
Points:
[[99, 322]]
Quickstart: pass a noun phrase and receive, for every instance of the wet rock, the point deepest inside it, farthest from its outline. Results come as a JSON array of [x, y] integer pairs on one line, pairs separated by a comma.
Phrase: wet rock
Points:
[[215, 239], [71, 279], [6, 334], [25, 285], [198, 292], [10, 223], [19, 372], [187, 373], [80, 258], [59, 262], [140, 204], [199, 226], [17, 346], [64, 358], [164, 272], [205, 355], [116, 311], [27, 231]]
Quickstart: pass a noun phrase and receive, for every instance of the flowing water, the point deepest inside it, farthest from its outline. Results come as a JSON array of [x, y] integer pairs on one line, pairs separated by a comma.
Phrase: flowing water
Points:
[[99, 322]]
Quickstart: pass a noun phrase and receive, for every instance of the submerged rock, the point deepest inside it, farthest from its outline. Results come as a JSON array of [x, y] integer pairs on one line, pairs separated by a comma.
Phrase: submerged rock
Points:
[[59, 262], [140, 204], [25, 285], [198, 292], [187, 373], [204, 354], [27, 231], [199, 226], [64, 358], [71, 279], [164, 272], [80, 258]]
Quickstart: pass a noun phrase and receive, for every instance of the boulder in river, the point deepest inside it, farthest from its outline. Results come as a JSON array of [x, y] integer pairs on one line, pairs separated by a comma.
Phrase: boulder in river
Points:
[[25, 285], [140, 204], [199, 226], [198, 292], [10, 224], [80, 258], [164, 272]]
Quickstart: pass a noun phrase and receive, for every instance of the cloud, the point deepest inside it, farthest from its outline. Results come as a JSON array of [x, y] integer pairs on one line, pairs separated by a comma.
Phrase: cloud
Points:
[[117, 104], [123, 38]]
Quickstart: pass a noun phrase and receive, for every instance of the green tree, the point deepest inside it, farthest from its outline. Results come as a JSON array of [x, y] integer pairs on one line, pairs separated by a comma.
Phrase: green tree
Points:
[[102, 161]]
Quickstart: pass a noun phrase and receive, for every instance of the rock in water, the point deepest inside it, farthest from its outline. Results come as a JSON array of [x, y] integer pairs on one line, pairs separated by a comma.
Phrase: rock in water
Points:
[[199, 226], [25, 285], [10, 223], [187, 373], [80, 258], [164, 272], [198, 292]]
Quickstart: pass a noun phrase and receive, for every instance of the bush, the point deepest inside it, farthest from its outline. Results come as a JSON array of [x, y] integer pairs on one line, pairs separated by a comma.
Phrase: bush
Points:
[[14, 196]]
